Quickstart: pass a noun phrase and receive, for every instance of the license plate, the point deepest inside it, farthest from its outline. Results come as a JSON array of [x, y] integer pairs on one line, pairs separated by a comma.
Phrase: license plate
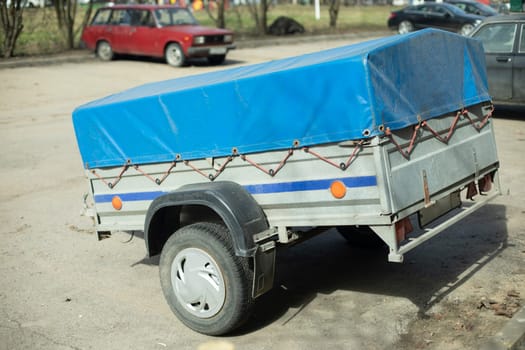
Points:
[[218, 51], [439, 208]]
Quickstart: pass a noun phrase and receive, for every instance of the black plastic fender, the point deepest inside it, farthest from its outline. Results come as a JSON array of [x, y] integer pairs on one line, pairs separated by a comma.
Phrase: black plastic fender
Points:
[[241, 214]]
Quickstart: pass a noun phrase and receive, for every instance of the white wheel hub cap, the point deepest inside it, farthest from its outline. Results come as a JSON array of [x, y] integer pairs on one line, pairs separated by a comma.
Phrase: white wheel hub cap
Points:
[[198, 282]]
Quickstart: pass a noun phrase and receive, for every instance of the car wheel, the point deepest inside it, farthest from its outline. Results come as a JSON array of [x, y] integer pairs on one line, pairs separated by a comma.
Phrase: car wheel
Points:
[[174, 55], [104, 51], [206, 285], [405, 27], [216, 59], [466, 29]]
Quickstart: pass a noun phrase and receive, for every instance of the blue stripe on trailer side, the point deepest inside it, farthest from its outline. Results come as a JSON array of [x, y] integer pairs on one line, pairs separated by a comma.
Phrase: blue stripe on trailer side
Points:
[[312, 185], [133, 196], [296, 186]]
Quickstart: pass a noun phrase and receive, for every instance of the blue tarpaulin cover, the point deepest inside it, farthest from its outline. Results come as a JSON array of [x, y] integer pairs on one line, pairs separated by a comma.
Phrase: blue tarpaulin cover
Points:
[[346, 93]]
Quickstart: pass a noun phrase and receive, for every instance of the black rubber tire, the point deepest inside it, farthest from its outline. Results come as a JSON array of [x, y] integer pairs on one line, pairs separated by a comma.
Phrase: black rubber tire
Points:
[[361, 236], [216, 59], [215, 241]]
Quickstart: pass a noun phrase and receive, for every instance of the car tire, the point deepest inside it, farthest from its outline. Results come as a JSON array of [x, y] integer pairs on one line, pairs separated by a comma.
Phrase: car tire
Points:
[[104, 51], [206, 285], [405, 27], [174, 55], [466, 29], [216, 59]]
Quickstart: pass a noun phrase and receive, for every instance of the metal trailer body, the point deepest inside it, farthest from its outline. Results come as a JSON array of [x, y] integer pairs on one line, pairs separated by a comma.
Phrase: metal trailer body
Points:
[[382, 186], [404, 160]]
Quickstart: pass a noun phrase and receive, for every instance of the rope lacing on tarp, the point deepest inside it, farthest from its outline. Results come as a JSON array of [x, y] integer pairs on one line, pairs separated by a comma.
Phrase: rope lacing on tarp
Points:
[[212, 176], [290, 152], [460, 114]]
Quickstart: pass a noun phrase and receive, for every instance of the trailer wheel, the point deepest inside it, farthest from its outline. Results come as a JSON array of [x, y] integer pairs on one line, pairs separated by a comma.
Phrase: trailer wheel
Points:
[[206, 285]]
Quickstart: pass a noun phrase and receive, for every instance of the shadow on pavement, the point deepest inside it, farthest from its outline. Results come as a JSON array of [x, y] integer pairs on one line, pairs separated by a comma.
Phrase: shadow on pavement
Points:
[[195, 62], [327, 263]]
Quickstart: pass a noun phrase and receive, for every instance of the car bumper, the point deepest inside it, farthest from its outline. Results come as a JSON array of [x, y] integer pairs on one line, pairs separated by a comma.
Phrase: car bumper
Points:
[[201, 51]]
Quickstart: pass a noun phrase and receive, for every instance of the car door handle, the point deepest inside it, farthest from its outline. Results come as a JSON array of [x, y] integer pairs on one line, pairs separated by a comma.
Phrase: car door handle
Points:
[[503, 59]]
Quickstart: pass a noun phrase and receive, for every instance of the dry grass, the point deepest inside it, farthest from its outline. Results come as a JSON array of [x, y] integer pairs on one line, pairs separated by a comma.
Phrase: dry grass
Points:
[[350, 18]]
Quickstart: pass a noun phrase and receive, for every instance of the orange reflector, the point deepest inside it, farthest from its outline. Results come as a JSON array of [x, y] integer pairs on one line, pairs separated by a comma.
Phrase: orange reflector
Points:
[[116, 202], [338, 189]]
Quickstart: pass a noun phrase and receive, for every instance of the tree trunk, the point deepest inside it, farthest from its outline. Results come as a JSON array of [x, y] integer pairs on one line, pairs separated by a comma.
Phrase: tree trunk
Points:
[[260, 15], [221, 21], [86, 18], [11, 20], [334, 12], [264, 16], [66, 11]]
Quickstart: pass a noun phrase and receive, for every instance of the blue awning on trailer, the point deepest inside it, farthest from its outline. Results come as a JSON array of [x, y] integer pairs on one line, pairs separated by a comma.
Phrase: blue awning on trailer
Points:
[[347, 93]]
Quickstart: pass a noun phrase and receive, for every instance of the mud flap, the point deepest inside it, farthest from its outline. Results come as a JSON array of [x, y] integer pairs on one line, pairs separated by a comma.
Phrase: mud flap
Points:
[[264, 269]]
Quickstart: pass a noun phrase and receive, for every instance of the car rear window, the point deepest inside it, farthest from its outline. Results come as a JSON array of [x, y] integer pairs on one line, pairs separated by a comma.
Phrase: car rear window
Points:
[[120, 17], [101, 17], [141, 18]]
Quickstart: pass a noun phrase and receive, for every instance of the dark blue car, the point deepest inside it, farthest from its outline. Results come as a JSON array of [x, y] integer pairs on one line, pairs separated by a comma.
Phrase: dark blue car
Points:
[[473, 7]]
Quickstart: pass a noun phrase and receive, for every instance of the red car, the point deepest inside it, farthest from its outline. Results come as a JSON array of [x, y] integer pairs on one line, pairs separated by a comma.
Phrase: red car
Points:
[[158, 31]]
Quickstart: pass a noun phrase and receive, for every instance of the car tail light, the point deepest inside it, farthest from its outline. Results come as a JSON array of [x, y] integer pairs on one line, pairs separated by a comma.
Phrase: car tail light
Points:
[[392, 15]]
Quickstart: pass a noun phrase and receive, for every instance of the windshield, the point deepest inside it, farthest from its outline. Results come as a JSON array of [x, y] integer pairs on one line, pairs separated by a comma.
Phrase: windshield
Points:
[[174, 16], [456, 10], [486, 8]]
